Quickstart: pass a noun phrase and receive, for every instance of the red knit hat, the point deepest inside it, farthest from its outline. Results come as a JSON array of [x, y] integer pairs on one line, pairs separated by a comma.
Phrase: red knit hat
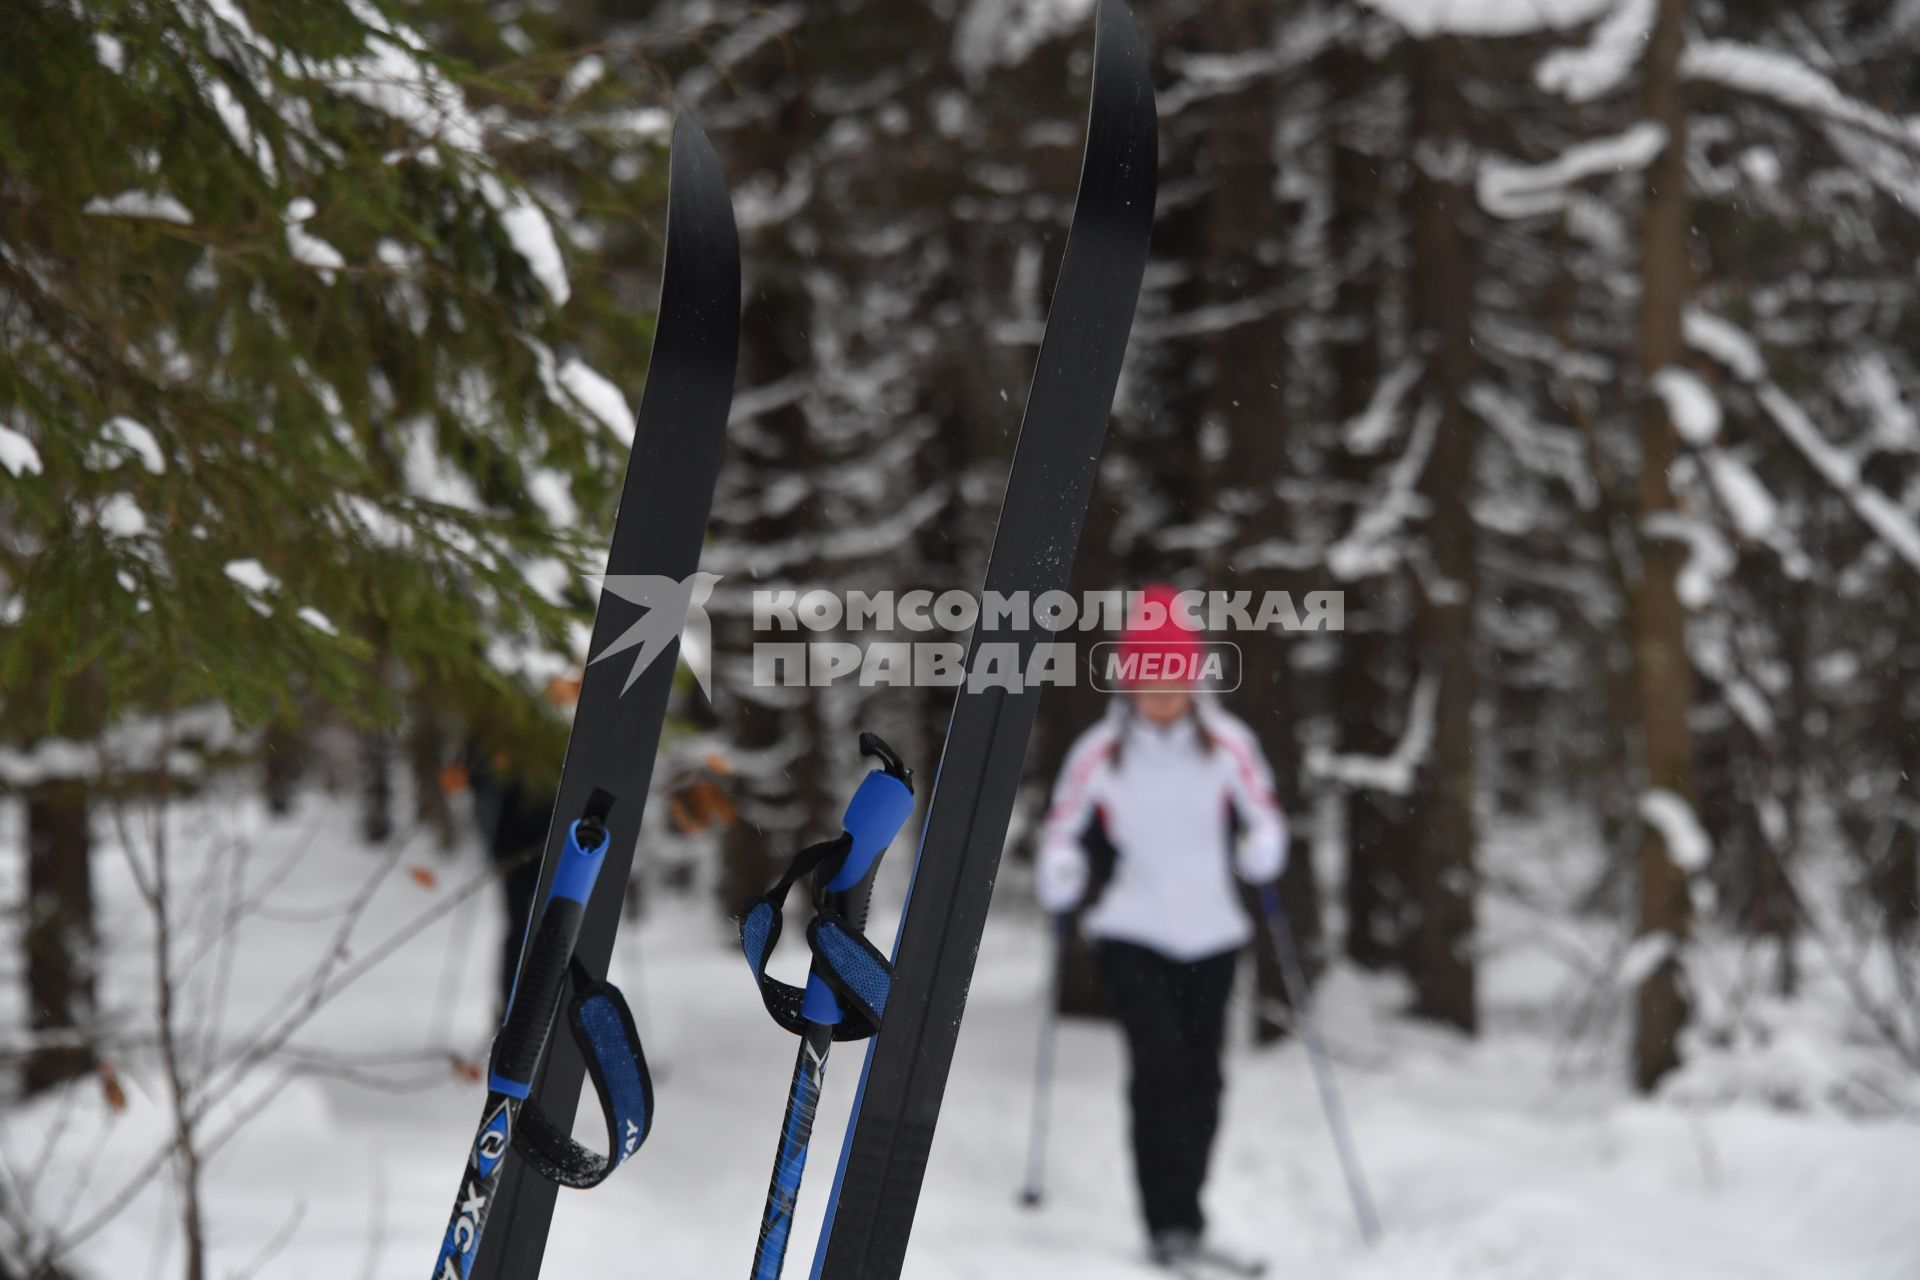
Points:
[[1172, 646]]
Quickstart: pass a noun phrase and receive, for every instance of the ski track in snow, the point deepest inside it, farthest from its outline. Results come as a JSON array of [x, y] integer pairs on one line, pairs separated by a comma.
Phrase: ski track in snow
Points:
[[1490, 1161]]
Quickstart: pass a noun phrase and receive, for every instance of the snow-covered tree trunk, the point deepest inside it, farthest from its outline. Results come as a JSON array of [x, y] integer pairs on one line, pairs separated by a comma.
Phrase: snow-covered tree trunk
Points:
[[1444, 280], [1370, 649], [1665, 673]]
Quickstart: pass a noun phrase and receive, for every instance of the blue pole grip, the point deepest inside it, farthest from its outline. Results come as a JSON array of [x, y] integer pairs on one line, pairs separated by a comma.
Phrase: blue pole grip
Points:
[[579, 867], [1270, 900], [542, 980], [874, 817]]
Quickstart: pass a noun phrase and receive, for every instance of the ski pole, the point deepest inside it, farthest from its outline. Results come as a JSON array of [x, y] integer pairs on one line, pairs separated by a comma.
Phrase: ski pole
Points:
[[522, 1041], [1280, 935], [874, 816], [1034, 1192]]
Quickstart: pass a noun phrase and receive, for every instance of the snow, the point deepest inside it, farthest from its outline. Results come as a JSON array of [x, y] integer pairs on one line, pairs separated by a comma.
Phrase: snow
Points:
[[111, 52], [1394, 774], [1004, 33], [1792, 83], [234, 116], [580, 77], [1895, 526], [1753, 510], [599, 397], [119, 516], [252, 575], [137, 744], [1509, 190], [1686, 840], [17, 453], [140, 204], [1373, 544], [317, 620], [1725, 342], [1643, 957], [552, 494], [1375, 427], [1508, 1158], [393, 77], [532, 237], [1545, 450], [429, 469], [1875, 389], [138, 439], [1603, 65], [1878, 145], [1690, 405], [1709, 561], [308, 249], [1487, 17]]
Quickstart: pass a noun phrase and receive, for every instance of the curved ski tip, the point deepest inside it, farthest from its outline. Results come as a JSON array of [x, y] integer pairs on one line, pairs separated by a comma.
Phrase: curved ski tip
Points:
[[690, 142], [697, 184]]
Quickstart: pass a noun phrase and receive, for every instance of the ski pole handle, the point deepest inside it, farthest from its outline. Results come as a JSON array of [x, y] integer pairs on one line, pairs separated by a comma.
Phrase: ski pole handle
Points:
[[879, 808], [1270, 900], [543, 973]]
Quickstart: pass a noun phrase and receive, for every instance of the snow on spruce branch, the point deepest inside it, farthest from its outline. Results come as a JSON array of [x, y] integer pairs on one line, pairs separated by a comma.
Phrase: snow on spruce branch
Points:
[[1395, 773], [1603, 64], [395, 75], [178, 743], [1487, 17], [1880, 512], [1667, 812], [1373, 544], [1509, 190], [1791, 83]]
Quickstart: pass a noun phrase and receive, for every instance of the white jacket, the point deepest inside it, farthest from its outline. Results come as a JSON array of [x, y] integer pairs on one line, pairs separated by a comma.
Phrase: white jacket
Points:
[[1168, 811]]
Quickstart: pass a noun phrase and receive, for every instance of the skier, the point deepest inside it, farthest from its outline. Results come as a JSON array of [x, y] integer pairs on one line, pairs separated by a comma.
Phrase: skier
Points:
[[1178, 790]]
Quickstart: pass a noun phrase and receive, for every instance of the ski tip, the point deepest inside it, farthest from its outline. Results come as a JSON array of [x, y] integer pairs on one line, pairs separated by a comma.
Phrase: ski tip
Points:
[[688, 135], [701, 204], [692, 149]]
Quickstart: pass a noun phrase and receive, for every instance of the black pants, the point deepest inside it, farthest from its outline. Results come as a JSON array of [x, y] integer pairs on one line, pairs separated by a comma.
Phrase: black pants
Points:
[[1175, 1017]]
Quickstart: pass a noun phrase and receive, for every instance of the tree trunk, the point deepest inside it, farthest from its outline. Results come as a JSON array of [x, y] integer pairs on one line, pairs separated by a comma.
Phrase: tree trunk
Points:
[[776, 804], [59, 938], [427, 754], [1440, 957], [376, 786], [1241, 416], [280, 765], [1664, 669], [1364, 699]]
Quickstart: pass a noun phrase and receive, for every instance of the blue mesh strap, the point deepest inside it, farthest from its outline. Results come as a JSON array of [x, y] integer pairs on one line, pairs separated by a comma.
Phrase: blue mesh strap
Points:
[[853, 967], [603, 1027], [760, 926]]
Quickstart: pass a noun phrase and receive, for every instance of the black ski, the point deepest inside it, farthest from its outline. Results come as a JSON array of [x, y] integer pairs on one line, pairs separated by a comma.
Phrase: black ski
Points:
[[664, 502], [877, 1188]]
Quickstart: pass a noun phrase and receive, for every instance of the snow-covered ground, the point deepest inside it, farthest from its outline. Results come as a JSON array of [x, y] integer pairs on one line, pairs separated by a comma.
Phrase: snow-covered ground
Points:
[[1511, 1157]]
